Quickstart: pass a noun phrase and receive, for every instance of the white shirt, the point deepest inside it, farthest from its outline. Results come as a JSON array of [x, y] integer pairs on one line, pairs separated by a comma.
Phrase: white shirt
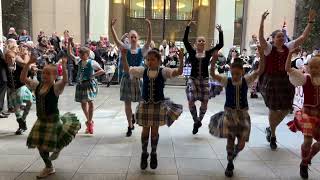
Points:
[[290, 45], [137, 72]]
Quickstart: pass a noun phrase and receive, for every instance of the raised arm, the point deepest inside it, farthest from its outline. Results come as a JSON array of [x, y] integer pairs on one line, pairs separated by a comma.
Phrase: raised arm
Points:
[[288, 67], [147, 45], [262, 62], [114, 35], [213, 67], [124, 61], [24, 73], [59, 86], [301, 39], [179, 71], [221, 41], [186, 37], [262, 40]]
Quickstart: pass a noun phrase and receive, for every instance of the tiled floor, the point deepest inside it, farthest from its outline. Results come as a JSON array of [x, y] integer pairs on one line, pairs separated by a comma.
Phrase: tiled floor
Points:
[[109, 155]]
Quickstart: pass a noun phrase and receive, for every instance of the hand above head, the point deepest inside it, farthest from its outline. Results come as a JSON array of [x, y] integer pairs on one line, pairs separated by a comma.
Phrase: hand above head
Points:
[[265, 15], [148, 22], [219, 28], [191, 22], [312, 15], [113, 21]]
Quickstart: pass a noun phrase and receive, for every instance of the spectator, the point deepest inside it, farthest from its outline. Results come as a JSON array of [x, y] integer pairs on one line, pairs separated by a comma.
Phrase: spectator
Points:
[[254, 42], [24, 37], [55, 41], [3, 85], [65, 38], [164, 51], [314, 53], [40, 36], [12, 34]]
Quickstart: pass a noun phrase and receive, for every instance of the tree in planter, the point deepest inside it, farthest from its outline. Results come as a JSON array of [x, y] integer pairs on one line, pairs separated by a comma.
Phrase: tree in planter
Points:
[[302, 10], [15, 13]]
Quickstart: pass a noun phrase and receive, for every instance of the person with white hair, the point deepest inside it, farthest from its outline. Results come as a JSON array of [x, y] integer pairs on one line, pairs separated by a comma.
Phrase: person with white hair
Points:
[[12, 34]]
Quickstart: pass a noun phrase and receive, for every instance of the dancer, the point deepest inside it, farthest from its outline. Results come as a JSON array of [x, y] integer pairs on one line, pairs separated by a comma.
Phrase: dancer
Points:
[[50, 133], [17, 92], [275, 87], [154, 109], [234, 123], [87, 87], [308, 119], [130, 88], [198, 83]]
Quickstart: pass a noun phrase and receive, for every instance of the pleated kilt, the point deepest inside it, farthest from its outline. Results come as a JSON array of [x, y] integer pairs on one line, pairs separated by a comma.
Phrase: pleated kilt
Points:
[[277, 91], [157, 114], [86, 91], [130, 89], [231, 122], [18, 96], [307, 121], [198, 90], [53, 133]]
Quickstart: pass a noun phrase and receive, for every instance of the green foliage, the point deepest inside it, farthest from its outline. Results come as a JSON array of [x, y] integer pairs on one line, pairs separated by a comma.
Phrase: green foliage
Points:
[[302, 11], [15, 13]]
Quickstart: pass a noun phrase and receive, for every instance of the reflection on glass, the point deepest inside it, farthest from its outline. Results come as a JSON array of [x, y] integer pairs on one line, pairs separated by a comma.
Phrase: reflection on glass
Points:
[[137, 8], [184, 9], [157, 9]]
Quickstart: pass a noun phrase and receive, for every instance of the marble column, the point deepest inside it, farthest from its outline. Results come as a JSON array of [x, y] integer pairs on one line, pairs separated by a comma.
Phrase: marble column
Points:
[[99, 19]]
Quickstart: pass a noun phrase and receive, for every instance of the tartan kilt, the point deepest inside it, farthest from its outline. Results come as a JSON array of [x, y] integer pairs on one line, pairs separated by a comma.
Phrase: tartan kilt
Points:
[[277, 91], [86, 91], [18, 96], [130, 89], [54, 133], [231, 122], [157, 114], [198, 90], [307, 121], [216, 125]]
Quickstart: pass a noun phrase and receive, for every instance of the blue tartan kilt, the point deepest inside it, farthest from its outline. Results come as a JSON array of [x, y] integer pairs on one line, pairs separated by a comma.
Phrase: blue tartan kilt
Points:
[[130, 89], [19, 96], [157, 114], [86, 91]]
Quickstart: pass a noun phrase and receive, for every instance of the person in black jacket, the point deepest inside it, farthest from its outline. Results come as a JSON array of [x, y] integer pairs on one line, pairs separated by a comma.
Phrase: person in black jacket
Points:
[[198, 83], [18, 93], [3, 85]]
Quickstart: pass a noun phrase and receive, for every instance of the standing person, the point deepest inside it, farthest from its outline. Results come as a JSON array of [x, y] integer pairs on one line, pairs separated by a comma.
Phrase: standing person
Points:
[[12, 34], [130, 88], [275, 86], [154, 110], [254, 42], [255, 65], [87, 87], [198, 83], [310, 56], [18, 93], [50, 133], [24, 37], [110, 64], [308, 119], [234, 123], [55, 41], [3, 85], [173, 55], [164, 51]]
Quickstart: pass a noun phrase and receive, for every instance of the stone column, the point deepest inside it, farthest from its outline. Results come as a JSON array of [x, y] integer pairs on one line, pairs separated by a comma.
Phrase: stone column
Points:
[[1, 33], [225, 14], [99, 19]]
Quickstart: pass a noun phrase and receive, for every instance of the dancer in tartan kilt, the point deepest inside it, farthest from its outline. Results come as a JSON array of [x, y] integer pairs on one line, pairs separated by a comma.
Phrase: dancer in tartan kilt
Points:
[[234, 123], [130, 88], [274, 84], [154, 109], [18, 93], [50, 133], [198, 83], [308, 119], [87, 87]]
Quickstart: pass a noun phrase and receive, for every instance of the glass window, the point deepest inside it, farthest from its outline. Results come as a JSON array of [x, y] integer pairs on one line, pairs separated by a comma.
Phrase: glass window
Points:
[[137, 8], [184, 9], [238, 22], [157, 9]]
